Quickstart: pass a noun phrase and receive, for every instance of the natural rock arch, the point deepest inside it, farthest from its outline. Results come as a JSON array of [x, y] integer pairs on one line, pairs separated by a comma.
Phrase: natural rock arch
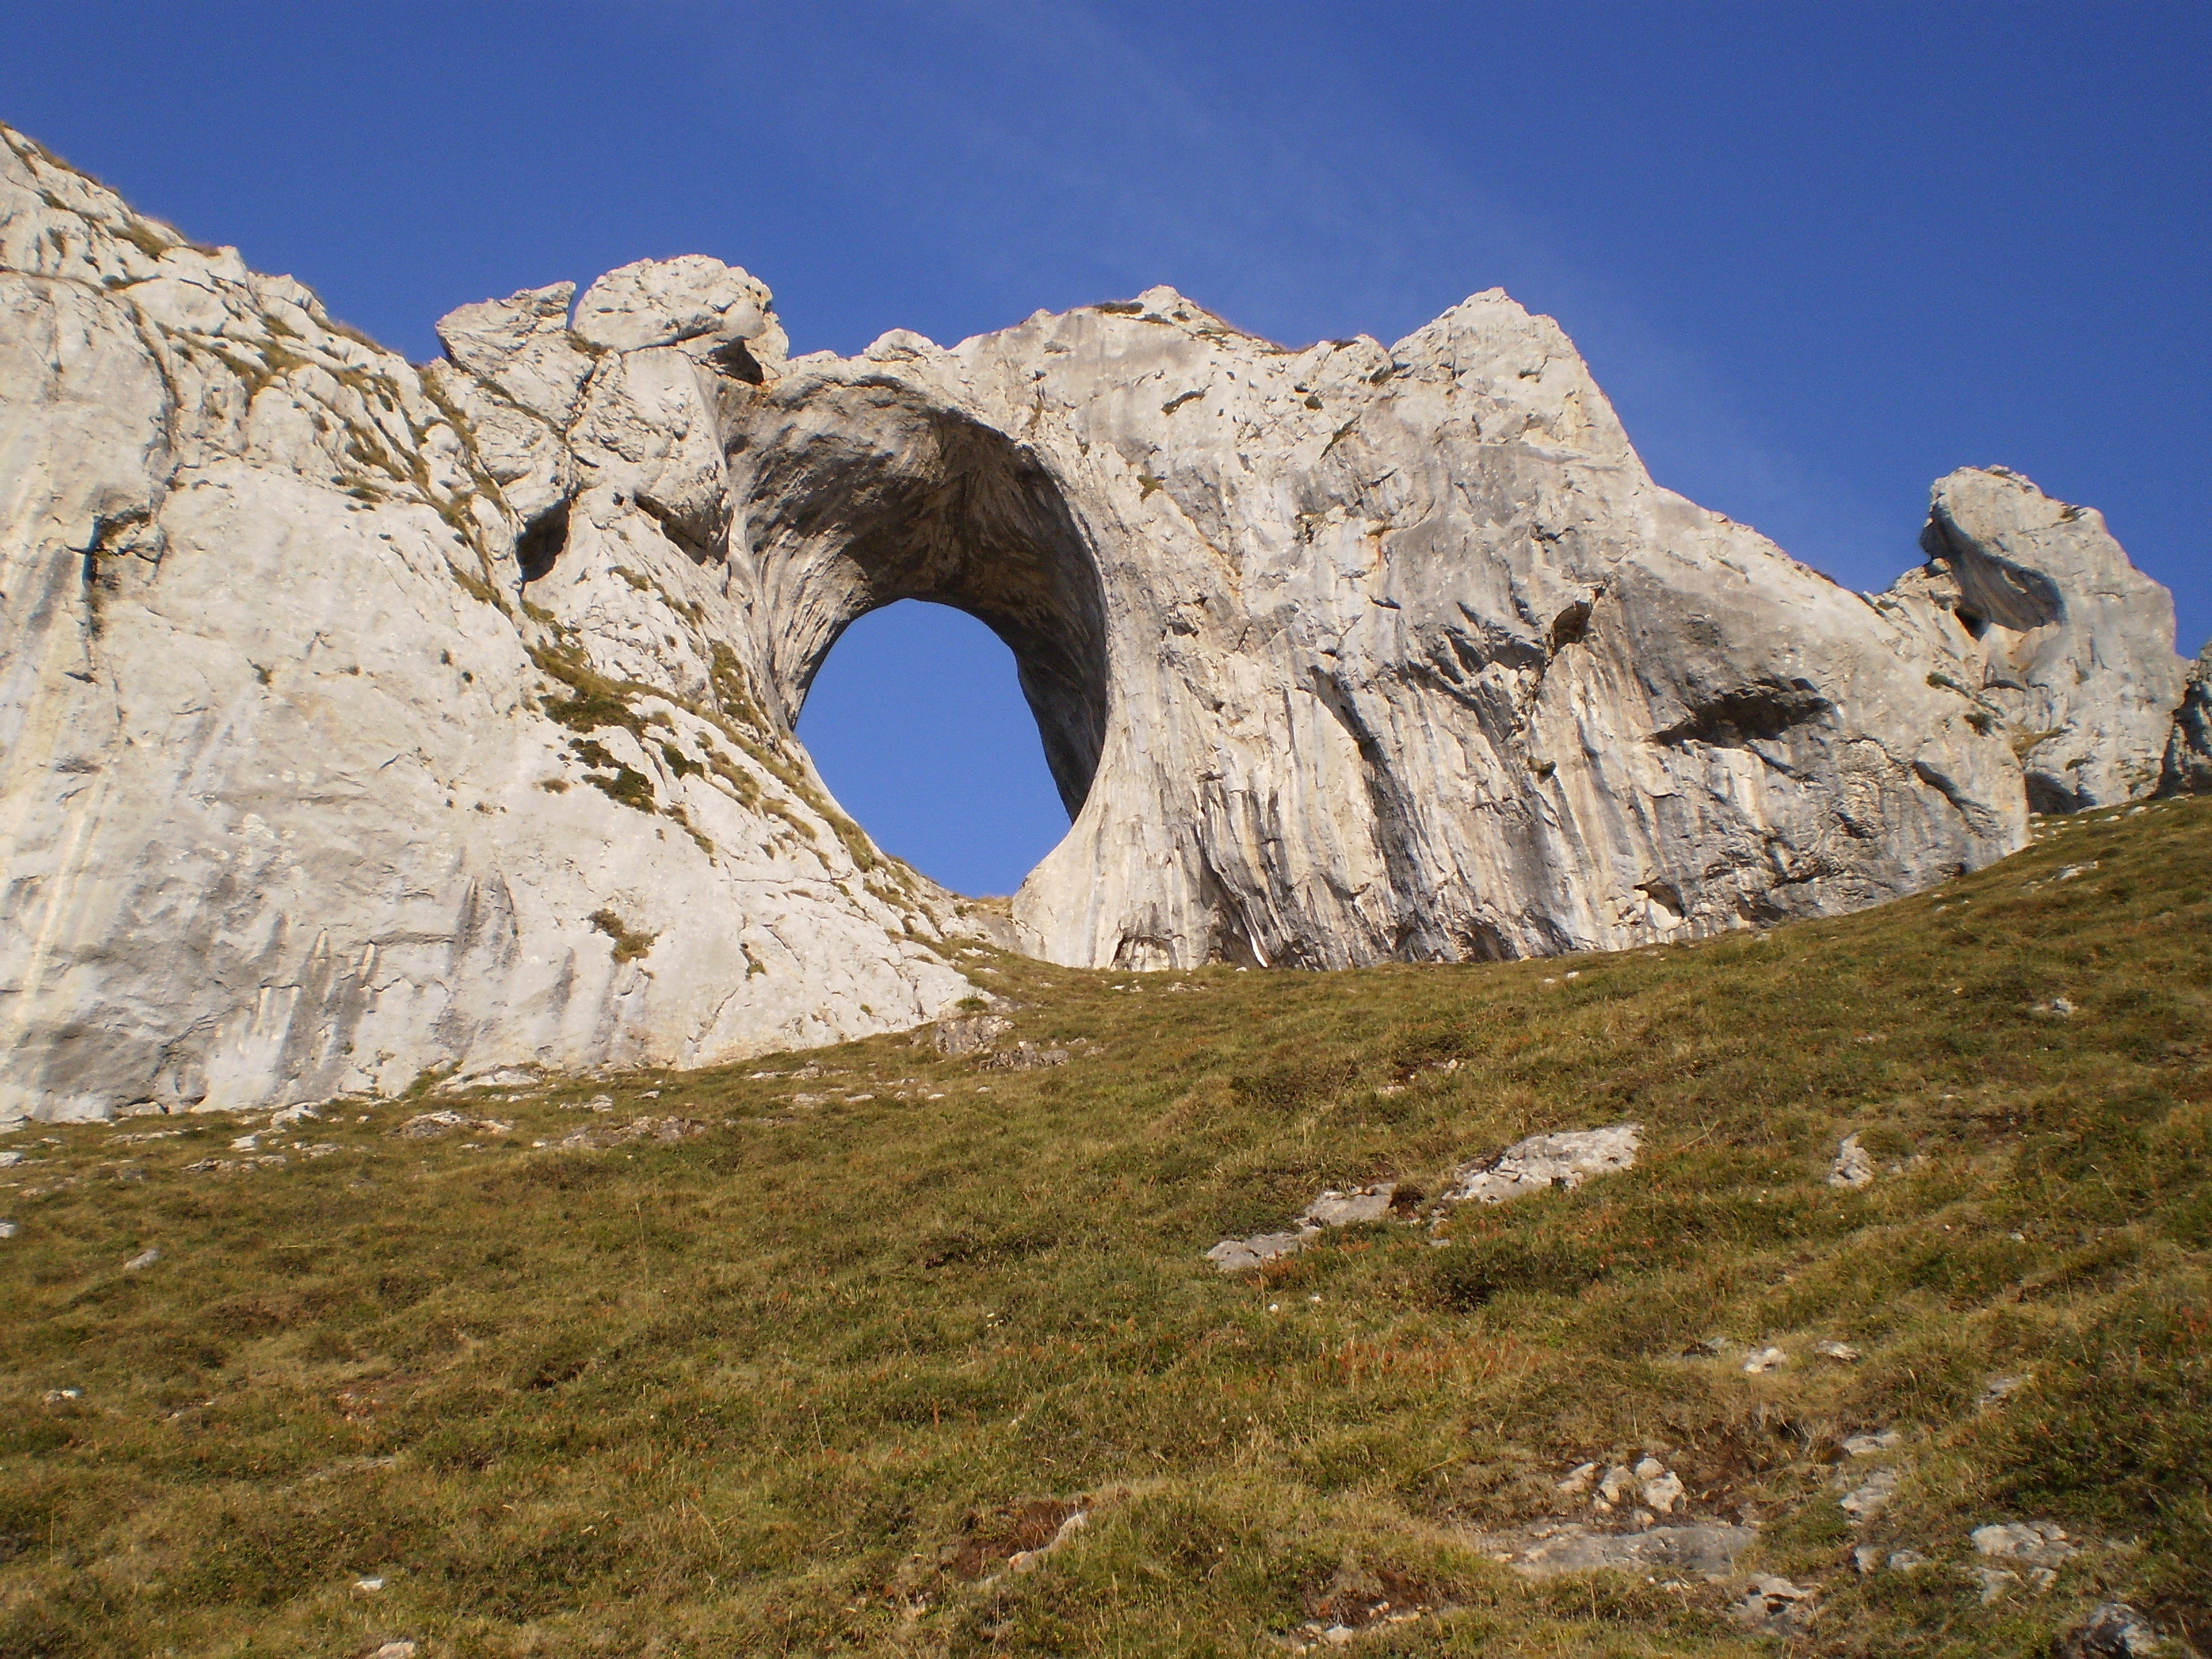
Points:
[[367, 722], [854, 497]]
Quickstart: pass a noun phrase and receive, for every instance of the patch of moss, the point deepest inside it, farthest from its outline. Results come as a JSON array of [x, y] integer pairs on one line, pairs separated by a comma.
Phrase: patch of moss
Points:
[[629, 943], [594, 701], [628, 786]]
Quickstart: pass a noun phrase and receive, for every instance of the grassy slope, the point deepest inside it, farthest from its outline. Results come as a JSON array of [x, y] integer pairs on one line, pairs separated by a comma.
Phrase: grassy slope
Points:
[[758, 1391]]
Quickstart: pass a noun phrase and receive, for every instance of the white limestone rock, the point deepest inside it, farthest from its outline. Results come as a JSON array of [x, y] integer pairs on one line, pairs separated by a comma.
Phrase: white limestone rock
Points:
[[363, 720], [1564, 1160], [2053, 638], [692, 298], [285, 815], [522, 349], [1775, 1606], [1334, 1208], [2188, 768], [1234, 1256], [1357, 652], [1706, 1549], [1853, 1165], [2037, 1543], [2114, 1630]]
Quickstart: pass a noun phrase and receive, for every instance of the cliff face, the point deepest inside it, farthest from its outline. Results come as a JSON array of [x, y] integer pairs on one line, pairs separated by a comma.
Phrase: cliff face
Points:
[[305, 793], [364, 720]]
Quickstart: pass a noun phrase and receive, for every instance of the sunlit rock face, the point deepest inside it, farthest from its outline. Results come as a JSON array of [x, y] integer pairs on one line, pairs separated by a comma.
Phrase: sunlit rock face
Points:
[[2051, 632], [307, 791], [1406, 656], [365, 721]]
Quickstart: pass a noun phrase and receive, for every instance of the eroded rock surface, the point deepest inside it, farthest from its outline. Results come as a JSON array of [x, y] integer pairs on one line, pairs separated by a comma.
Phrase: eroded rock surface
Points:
[[1565, 1158], [1704, 1549], [364, 720], [2189, 748], [2054, 639], [307, 791]]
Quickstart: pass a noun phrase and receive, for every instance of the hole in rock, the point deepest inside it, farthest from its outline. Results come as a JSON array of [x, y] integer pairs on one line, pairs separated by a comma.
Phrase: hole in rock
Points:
[[543, 541], [855, 496], [918, 723]]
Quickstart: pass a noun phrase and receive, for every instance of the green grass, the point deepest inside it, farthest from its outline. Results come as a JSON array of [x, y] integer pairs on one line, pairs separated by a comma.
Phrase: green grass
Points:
[[800, 1383]]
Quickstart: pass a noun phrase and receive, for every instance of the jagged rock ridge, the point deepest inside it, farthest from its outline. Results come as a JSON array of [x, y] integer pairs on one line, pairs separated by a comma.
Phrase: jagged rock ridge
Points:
[[365, 720]]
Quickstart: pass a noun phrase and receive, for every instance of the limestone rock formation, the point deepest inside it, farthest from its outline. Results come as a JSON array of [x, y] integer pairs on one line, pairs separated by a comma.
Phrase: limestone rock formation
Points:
[[2189, 748], [2051, 634], [304, 792], [365, 720]]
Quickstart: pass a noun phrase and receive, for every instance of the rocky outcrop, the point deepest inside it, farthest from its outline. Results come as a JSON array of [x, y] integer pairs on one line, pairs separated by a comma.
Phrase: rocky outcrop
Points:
[[364, 720], [2049, 634], [307, 793], [2188, 769]]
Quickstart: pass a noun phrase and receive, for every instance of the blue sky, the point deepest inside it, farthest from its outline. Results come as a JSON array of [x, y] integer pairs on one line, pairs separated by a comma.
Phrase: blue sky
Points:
[[1818, 254]]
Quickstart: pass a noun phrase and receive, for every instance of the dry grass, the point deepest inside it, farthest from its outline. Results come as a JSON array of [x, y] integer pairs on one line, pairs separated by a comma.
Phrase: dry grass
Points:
[[798, 1384]]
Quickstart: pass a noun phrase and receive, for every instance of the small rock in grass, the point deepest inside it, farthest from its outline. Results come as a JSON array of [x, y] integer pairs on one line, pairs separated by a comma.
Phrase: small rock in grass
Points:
[[10, 1159], [1564, 1160], [428, 1125], [1994, 1582], [1842, 1353], [1022, 1057], [668, 1130], [62, 1396], [2037, 1543], [7, 1230], [372, 1585], [1854, 1164], [955, 1037], [1866, 1445], [1235, 1254], [2113, 1631], [1997, 1390], [143, 1260], [394, 1651], [1664, 1491], [1867, 1499], [1906, 1560], [1579, 1480], [1706, 1550], [1331, 1209], [1766, 1359], [1339, 1209], [1775, 1605]]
